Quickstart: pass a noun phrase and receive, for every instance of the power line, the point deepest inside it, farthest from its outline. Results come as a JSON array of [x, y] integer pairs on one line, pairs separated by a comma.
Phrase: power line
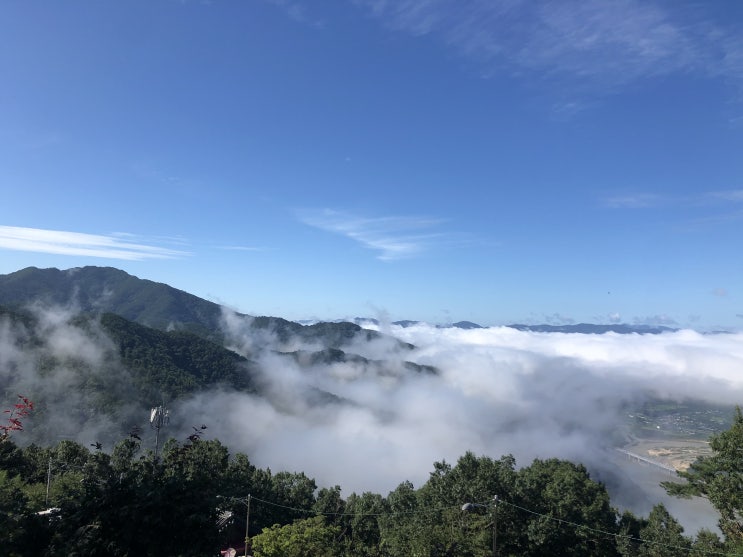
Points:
[[616, 534], [605, 533]]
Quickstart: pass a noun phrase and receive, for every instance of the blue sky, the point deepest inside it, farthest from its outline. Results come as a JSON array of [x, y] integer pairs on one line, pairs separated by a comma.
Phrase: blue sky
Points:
[[495, 161]]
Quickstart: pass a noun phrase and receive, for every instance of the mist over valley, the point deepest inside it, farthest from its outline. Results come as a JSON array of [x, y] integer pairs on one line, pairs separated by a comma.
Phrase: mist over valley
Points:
[[361, 407]]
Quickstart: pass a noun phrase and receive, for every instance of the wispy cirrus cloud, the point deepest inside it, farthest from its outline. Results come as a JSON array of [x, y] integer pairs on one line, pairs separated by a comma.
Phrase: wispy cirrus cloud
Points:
[[241, 248], [728, 195], [297, 11], [393, 237], [60, 242], [632, 201], [602, 43], [644, 200]]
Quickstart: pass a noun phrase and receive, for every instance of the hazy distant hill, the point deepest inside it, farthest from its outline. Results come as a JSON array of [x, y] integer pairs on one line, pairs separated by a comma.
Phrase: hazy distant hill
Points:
[[411, 323], [588, 328], [334, 356], [466, 325], [330, 334]]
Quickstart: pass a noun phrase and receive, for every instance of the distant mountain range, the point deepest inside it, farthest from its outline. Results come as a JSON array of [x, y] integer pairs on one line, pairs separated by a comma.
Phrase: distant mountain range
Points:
[[591, 329], [157, 305], [580, 328]]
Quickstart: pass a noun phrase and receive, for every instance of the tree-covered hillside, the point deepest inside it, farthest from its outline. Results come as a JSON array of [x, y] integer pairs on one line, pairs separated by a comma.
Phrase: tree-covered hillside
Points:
[[157, 305], [175, 363], [196, 498], [105, 289], [87, 368], [99, 372]]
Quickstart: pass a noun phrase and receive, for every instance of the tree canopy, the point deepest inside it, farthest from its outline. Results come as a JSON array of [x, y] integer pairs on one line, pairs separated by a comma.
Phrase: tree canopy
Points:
[[194, 499], [719, 478]]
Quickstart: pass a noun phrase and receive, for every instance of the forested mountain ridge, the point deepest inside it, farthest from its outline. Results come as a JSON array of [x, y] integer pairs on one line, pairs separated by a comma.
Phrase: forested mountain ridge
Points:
[[106, 289], [115, 369], [176, 363], [173, 363], [88, 370], [158, 305], [100, 346]]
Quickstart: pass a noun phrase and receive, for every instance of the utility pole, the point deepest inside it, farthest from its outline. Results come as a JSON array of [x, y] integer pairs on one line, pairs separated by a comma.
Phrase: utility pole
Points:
[[495, 526], [467, 507], [48, 480], [247, 527]]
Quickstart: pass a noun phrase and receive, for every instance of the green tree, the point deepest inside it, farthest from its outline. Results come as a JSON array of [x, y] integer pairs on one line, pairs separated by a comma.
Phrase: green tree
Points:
[[402, 530], [311, 537], [12, 510], [330, 504], [719, 477], [628, 539], [132, 505], [362, 532], [662, 536], [707, 543], [444, 526], [572, 510]]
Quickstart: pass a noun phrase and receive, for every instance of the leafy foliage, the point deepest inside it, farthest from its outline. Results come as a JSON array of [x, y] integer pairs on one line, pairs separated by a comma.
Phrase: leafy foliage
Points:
[[173, 364], [129, 502], [720, 478], [563, 492], [113, 367], [311, 536], [662, 536], [20, 410]]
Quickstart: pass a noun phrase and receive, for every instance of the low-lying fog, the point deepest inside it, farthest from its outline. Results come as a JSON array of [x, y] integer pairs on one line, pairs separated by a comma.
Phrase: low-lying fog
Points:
[[497, 391]]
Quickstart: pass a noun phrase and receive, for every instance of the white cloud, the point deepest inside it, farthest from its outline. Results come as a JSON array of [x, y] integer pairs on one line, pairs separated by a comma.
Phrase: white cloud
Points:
[[62, 242], [393, 237], [646, 200], [660, 319], [558, 319], [729, 195], [241, 248], [297, 11], [599, 42], [634, 201], [498, 391]]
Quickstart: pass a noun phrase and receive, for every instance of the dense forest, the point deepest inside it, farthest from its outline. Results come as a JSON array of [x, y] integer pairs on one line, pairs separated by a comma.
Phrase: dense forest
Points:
[[195, 498]]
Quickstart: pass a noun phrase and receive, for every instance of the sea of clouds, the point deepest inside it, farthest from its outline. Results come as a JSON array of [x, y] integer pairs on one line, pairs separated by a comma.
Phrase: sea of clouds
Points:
[[368, 425], [497, 391]]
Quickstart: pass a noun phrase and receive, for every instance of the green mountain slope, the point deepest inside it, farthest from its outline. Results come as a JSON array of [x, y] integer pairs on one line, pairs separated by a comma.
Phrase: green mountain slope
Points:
[[105, 289], [85, 371], [176, 363], [157, 305]]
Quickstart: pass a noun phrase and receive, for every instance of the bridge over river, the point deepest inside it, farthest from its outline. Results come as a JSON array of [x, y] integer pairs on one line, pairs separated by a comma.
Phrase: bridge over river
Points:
[[646, 460]]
